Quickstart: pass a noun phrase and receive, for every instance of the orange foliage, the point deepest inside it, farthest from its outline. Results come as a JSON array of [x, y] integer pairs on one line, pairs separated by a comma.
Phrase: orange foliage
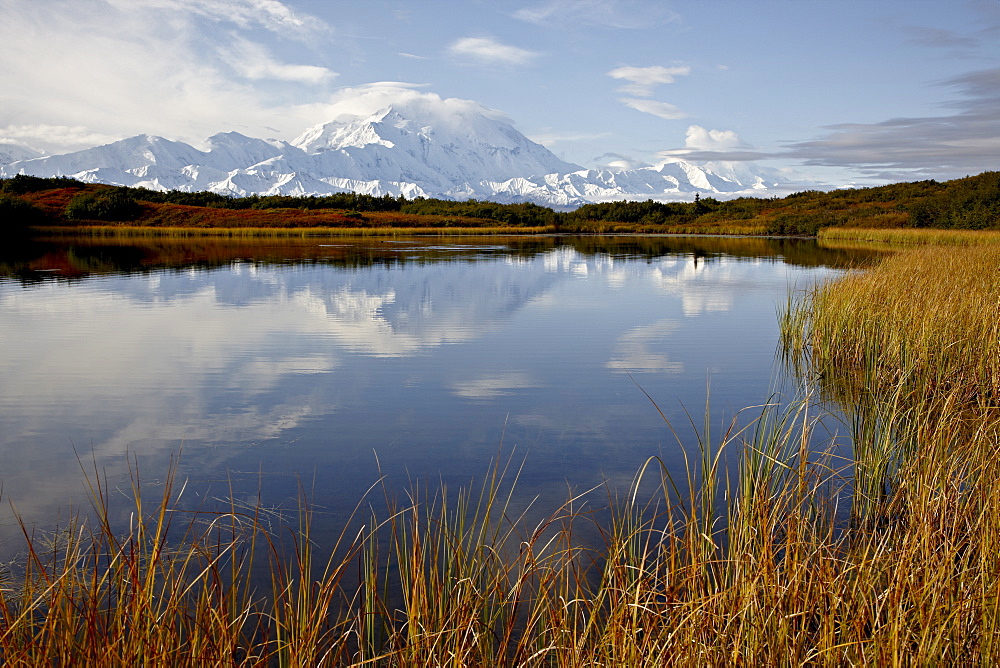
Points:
[[54, 202]]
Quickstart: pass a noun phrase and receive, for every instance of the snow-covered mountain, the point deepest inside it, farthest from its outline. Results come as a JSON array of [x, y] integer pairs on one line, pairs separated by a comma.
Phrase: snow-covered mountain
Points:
[[423, 147], [10, 152]]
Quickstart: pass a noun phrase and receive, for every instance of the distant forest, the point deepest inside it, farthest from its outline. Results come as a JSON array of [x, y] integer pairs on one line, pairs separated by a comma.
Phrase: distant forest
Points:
[[971, 203]]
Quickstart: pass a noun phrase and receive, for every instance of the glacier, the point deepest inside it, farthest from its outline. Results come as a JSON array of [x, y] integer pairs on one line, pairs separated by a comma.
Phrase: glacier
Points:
[[418, 148]]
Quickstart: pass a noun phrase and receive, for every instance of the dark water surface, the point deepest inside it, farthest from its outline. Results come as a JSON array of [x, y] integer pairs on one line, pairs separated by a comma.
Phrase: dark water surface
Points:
[[270, 363]]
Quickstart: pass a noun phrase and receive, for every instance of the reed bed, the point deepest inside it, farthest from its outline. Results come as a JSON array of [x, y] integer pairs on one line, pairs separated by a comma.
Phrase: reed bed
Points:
[[778, 546], [910, 351], [925, 321], [912, 236]]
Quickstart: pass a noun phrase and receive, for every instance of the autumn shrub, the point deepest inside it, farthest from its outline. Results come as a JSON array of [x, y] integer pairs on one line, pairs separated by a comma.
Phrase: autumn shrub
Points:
[[117, 204], [22, 184]]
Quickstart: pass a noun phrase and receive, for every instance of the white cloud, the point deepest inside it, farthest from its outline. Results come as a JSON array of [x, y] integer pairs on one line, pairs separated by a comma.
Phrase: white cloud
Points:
[[641, 83], [642, 80], [252, 61], [618, 162], [58, 135], [269, 14], [489, 50], [661, 109], [355, 102], [553, 138], [630, 14], [703, 144], [92, 71], [700, 139]]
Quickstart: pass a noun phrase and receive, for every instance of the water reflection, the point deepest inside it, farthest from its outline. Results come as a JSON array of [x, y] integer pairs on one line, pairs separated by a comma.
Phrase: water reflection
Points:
[[302, 358], [77, 256], [634, 350]]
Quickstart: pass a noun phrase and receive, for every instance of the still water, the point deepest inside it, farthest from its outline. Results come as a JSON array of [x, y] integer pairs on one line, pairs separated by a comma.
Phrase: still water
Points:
[[267, 365]]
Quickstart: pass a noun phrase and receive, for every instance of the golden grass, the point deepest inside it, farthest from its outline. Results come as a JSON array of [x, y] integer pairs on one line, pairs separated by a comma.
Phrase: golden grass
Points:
[[930, 315], [911, 236], [910, 349]]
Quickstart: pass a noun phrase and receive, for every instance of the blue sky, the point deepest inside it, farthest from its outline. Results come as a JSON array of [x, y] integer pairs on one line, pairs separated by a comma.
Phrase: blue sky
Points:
[[840, 91]]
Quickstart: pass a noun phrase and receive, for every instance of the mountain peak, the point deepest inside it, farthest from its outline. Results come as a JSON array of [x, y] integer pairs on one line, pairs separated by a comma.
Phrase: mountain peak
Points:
[[432, 141]]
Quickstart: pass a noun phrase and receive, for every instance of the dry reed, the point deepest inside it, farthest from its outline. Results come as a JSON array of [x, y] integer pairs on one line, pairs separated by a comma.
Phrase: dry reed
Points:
[[911, 236]]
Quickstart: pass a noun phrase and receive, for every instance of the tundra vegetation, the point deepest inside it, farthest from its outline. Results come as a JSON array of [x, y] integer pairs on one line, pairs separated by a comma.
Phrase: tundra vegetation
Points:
[[971, 203], [773, 549]]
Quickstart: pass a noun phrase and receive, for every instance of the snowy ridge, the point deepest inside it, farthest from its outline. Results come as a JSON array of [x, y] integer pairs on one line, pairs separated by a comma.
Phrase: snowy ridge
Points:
[[10, 152], [421, 148]]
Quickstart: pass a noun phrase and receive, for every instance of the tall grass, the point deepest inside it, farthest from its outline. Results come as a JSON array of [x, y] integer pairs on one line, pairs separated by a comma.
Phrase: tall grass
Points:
[[926, 321], [911, 236], [910, 349]]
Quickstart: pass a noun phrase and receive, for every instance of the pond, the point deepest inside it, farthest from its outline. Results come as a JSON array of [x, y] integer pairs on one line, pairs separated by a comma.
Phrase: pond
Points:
[[262, 366]]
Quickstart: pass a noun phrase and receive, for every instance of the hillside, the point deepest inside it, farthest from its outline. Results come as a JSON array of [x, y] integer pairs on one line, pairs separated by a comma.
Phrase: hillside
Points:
[[968, 203]]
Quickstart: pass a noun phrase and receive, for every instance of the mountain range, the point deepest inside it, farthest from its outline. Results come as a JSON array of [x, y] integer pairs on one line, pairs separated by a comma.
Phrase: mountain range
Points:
[[420, 148]]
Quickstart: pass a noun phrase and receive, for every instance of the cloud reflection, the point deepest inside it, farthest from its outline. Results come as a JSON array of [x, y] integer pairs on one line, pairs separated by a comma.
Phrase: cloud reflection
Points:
[[702, 287], [491, 387], [634, 350]]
